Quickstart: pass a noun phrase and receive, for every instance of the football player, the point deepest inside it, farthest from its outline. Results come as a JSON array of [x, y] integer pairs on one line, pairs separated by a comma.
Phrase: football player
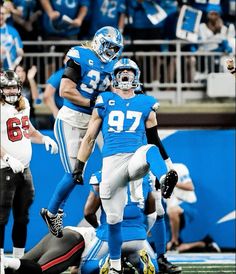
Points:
[[86, 74], [124, 119], [17, 133]]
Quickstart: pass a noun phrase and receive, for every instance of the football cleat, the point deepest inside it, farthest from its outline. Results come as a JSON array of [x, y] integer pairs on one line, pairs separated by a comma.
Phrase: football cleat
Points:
[[148, 267], [54, 223], [107, 43], [167, 267], [105, 266], [114, 271]]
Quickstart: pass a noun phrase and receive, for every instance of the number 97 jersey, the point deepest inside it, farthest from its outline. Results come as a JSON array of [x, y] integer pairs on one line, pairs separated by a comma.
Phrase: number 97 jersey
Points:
[[15, 133], [124, 120]]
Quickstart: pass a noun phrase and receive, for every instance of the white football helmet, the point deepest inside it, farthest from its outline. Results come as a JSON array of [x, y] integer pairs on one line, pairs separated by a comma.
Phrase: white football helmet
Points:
[[126, 74], [107, 43], [10, 86]]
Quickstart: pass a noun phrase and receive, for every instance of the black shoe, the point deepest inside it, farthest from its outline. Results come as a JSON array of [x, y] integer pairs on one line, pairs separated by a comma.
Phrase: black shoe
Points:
[[54, 223], [167, 267], [114, 271], [211, 246]]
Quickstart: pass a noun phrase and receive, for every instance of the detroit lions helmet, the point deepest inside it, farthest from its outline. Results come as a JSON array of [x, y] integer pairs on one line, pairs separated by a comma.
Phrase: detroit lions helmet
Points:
[[126, 74], [10, 86], [107, 43]]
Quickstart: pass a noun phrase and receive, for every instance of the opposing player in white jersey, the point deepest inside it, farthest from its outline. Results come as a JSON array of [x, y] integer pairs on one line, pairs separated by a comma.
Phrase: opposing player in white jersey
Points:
[[16, 186], [86, 74], [124, 119]]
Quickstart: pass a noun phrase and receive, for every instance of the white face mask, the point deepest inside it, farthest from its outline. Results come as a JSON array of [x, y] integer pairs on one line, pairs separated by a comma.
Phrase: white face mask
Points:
[[125, 79], [11, 94]]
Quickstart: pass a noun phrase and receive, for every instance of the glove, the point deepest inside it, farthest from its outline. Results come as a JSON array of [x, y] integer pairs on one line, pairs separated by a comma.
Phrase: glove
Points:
[[13, 163], [168, 183], [49, 142], [78, 172]]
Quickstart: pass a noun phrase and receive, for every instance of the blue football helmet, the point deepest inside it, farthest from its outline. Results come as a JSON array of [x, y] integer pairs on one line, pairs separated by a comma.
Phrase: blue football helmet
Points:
[[107, 43], [126, 74]]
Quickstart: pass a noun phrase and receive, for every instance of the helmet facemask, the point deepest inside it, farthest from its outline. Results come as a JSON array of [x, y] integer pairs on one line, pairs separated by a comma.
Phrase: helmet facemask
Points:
[[10, 87], [11, 94], [124, 79]]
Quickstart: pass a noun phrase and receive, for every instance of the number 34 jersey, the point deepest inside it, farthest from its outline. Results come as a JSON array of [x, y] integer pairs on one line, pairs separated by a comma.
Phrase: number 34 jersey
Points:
[[123, 126], [15, 133]]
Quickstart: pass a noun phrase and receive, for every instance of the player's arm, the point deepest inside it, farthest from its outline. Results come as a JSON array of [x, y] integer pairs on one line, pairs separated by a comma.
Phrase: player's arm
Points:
[[86, 146], [68, 90], [38, 138], [48, 98], [153, 138], [91, 206]]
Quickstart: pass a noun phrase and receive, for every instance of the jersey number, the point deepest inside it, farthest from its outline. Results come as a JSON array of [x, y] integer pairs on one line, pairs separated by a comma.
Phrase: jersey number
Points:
[[94, 79], [117, 118], [16, 128]]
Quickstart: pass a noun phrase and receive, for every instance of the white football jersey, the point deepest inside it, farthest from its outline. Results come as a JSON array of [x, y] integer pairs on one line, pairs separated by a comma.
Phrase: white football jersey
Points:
[[15, 133]]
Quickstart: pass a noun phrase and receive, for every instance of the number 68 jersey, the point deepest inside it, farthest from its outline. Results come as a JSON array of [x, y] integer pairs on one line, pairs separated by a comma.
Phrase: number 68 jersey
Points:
[[124, 120], [15, 133]]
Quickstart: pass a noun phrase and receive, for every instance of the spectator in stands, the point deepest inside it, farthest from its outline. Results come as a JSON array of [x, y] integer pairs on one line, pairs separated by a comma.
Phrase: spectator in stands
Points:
[[51, 94], [29, 87], [181, 205], [63, 19], [231, 66], [27, 21], [11, 45], [107, 13], [216, 37]]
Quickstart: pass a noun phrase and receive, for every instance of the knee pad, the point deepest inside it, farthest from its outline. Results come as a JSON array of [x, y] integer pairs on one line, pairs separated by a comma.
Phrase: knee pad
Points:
[[113, 219]]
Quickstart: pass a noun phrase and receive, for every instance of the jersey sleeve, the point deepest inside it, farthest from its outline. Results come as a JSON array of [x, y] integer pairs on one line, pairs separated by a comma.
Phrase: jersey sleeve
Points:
[[101, 103], [55, 79]]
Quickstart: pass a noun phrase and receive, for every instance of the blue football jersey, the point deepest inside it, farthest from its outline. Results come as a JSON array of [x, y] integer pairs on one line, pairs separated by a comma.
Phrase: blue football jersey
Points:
[[105, 13], [58, 26], [54, 80], [134, 216], [123, 126], [95, 75]]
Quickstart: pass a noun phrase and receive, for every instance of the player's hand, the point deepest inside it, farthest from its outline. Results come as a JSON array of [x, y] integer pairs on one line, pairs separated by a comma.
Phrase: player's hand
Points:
[[13, 163], [168, 183], [78, 172], [230, 63], [49, 142]]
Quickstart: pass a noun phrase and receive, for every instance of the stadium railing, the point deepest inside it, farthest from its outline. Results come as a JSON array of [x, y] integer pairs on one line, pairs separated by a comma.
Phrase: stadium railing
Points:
[[171, 74]]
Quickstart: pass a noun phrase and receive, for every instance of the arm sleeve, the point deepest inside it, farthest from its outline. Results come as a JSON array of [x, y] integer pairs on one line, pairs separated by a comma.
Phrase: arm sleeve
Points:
[[72, 71], [153, 138]]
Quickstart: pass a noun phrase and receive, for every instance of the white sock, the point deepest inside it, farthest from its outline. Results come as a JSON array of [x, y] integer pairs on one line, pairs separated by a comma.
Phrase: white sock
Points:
[[116, 264], [1, 261], [13, 263], [18, 252]]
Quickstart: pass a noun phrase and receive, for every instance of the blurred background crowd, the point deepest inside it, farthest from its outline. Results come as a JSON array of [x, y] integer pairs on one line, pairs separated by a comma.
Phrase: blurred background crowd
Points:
[[36, 34]]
